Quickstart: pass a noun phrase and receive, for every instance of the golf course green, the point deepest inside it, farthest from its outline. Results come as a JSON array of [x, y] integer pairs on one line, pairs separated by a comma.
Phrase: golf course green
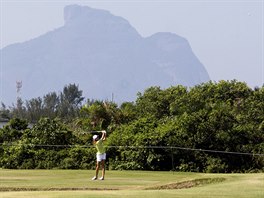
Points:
[[78, 183]]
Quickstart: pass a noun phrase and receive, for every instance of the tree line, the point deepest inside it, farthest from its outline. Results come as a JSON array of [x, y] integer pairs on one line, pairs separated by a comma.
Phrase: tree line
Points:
[[212, 127], [64, 105]]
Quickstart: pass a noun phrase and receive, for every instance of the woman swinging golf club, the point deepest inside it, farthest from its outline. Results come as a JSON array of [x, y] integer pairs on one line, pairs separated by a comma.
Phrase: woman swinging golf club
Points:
[[100, 155]]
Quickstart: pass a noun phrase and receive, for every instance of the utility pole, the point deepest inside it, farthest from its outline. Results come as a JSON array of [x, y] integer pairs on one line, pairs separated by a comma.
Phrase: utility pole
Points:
[[18, 91]]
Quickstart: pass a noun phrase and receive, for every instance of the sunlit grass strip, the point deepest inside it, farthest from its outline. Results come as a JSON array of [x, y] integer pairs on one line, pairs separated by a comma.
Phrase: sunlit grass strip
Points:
[[10, 189], [187, 184]]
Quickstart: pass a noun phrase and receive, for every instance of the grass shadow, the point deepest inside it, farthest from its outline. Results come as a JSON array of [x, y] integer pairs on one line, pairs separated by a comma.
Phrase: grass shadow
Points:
[[187, 184]]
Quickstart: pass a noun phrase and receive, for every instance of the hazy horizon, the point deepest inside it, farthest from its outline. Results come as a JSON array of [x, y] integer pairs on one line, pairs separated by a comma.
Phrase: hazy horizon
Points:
[[227, 37]]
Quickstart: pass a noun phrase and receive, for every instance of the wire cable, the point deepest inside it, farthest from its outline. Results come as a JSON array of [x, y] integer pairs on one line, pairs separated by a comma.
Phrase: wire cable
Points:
[[141, 147]]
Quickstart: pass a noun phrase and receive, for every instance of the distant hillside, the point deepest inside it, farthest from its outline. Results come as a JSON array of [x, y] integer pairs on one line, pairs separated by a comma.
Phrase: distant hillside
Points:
[[103, 54]]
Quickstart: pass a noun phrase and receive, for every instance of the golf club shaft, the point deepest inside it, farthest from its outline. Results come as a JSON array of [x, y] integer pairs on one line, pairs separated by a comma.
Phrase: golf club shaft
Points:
[[92, 132]]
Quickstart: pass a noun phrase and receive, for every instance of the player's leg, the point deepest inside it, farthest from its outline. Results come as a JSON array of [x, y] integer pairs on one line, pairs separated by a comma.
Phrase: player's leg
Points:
[[103, 158], [97, 167], [103, 169]]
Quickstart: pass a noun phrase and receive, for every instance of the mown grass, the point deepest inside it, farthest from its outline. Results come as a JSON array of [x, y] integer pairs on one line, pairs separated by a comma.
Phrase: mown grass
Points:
[[77, 183]]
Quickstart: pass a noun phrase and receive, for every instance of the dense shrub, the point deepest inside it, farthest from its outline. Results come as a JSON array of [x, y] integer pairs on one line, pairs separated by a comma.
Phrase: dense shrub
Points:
[[185, 129]]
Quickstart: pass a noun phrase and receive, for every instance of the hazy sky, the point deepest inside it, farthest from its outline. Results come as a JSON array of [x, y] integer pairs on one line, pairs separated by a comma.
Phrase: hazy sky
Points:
[[226, 36]]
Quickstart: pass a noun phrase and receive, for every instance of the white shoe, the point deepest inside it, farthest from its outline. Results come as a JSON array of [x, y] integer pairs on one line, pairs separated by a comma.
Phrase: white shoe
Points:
[[101, 178], [94, 178]]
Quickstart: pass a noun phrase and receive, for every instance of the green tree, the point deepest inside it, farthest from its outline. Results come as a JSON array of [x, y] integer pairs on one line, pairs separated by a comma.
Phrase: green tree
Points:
[[70, 101], [19, 111], [5, 113], [13, 130], [34, 109], [49, 132], [135, 142], [153, 103], [50, 105], [128, 112]]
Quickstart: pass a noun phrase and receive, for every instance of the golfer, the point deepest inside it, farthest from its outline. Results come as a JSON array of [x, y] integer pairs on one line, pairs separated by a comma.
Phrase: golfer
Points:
[[100, 155]]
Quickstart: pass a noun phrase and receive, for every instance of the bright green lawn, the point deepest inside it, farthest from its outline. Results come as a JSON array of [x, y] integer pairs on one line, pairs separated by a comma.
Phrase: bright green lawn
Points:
[[77, 183]]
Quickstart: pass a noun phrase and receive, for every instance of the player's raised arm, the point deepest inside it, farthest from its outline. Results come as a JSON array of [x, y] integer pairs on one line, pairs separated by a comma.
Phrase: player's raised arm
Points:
[[103, 134]]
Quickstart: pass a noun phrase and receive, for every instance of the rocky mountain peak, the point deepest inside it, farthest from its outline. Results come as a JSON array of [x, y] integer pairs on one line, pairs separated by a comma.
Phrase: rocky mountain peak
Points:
[[103, 54]]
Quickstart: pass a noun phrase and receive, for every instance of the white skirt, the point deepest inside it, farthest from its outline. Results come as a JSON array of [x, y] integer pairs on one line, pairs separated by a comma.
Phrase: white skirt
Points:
[[100, 157]]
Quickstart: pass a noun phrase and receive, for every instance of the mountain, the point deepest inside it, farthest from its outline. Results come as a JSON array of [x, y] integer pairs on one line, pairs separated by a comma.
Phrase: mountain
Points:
[[101, 53]]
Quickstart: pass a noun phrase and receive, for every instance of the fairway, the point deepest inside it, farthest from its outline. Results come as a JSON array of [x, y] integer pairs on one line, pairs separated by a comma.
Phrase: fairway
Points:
[[77, 183]]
